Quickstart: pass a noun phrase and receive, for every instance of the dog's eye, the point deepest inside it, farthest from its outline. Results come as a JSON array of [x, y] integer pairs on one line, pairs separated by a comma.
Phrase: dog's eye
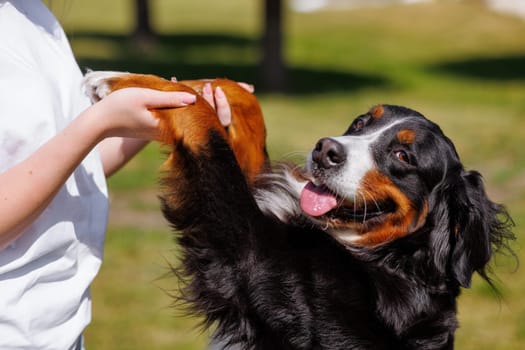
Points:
[[359, 124], [402, 156]]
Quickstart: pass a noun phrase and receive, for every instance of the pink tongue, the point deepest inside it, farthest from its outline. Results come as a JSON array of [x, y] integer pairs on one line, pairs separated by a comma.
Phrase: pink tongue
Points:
[[316, 201]]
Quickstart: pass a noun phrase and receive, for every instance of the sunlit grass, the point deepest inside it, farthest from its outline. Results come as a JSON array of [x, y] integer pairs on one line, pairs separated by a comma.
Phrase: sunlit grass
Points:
[[134, 309]]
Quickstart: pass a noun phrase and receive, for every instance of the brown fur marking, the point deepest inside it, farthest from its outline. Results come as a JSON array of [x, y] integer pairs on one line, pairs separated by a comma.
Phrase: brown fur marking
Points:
[[191, 124], [406, 136], [405, 220], [377, 111]]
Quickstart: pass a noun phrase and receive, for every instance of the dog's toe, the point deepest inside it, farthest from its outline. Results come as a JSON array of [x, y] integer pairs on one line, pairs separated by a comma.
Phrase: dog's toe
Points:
[[96, 83]]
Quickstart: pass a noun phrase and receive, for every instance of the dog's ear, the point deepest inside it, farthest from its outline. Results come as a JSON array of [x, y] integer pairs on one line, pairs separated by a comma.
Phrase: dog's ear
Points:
[[476, 228]]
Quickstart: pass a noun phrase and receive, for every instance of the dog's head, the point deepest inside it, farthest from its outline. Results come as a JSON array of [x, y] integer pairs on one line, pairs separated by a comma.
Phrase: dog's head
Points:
[[394, 173]]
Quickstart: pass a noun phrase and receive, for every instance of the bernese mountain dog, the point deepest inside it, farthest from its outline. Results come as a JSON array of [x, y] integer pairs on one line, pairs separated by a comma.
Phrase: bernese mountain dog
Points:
[[367, 246]]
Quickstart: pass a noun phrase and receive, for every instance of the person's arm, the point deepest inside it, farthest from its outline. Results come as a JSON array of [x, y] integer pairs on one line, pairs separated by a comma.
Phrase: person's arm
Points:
[[115, 152], [28, 187]]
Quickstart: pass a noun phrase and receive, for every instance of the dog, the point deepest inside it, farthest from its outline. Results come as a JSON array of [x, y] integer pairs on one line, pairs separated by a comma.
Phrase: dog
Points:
[[366, 246]]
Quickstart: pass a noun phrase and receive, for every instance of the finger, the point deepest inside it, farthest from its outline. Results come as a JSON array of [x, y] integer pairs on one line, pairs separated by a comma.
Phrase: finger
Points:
[[207, 93], [248, 87], [173, 79], [223, 107], [161, 99]]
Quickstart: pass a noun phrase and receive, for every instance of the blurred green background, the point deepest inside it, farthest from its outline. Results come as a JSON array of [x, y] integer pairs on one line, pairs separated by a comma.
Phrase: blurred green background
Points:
[[457, 62]]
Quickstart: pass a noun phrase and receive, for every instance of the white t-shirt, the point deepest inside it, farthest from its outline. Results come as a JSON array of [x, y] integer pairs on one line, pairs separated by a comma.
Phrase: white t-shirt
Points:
[[45, 274]]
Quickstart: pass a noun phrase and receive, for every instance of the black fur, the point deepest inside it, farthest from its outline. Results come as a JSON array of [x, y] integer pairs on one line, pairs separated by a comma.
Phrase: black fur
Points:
[[270, 283]]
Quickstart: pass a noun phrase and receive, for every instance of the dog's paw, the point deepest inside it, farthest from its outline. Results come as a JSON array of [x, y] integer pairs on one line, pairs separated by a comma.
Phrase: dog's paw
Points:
[[96, 83]]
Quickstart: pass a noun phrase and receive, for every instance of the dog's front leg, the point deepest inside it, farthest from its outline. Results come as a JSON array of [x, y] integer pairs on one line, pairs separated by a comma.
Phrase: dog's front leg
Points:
[[206, 193]]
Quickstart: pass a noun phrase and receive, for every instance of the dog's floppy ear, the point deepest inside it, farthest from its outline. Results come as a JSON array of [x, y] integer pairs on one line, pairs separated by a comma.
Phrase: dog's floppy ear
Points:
[[468, 227], [477, 227]]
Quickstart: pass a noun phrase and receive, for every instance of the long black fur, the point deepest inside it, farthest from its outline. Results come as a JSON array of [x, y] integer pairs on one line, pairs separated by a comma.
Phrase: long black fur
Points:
[[269, 283]]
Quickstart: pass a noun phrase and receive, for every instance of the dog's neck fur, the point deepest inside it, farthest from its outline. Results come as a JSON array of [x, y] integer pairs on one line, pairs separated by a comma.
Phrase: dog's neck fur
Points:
[[277, 193]]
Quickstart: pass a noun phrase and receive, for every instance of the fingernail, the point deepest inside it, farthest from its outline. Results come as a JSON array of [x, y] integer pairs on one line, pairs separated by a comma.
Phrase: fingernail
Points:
[[219, 93], [206, 89], [174, 79], [189, 99], [247, 87]]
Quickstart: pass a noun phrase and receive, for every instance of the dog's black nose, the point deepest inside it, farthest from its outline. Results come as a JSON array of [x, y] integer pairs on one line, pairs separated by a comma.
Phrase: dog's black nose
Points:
[[328, 153]]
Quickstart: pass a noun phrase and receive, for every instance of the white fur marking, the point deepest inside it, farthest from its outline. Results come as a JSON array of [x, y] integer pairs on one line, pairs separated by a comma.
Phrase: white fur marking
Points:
[[282, 201], [347, 181], [95, 84]]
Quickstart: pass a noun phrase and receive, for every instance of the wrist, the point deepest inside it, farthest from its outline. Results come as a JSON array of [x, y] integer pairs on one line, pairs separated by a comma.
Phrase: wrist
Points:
[[94, 125]]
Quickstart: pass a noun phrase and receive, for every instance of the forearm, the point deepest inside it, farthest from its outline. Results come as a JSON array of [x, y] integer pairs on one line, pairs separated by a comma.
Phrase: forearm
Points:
[[28, 187], [117, 151]]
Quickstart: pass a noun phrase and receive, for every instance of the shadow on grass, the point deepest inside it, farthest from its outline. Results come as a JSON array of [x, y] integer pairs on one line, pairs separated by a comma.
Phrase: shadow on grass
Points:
[[508, 68], [193, 56]]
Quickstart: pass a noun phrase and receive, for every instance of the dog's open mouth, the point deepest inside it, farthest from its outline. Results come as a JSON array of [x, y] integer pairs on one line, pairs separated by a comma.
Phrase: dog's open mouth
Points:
[[320, 201]]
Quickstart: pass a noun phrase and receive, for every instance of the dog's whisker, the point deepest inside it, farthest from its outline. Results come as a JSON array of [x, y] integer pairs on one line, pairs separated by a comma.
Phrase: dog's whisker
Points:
[[364, 212], [355, 205], [293, 155], [371, 196]]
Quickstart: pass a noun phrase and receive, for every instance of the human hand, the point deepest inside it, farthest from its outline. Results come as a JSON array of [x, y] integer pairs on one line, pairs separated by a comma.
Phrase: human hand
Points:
[[217, 99], [126, 112]]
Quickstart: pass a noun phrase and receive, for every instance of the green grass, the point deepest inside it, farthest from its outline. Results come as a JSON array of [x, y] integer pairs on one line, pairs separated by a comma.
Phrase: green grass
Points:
[[133, 308], [458, 63]]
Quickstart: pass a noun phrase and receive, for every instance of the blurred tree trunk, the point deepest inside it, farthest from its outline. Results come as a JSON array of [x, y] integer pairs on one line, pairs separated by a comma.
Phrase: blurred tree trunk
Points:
[[143, 32], [272, 66]]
